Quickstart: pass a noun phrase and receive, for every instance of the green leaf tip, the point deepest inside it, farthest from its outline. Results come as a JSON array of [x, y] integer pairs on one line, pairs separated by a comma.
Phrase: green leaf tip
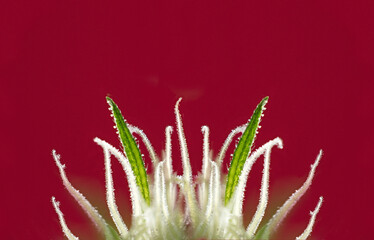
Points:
[[243, 149], [131, 150]]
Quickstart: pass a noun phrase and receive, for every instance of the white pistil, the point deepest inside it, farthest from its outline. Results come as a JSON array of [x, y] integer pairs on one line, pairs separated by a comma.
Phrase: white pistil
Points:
[[146, 142], [187, 172], [168, 163], [82, 201], [64, 227], [214, 191], [226, 144], [111, 201], [237, 204], [168, 169], [309, 228], [205, 131], [264, 194], [204, 171], [137, 201], [282, 212], [183, 145], [160, 192]]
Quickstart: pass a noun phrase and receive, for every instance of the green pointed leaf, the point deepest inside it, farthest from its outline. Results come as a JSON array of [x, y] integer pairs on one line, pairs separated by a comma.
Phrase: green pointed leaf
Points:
[[243, 149], [131, 149]]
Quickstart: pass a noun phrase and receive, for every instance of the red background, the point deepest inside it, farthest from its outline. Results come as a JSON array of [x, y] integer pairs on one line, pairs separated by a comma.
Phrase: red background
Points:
[[59, 59]]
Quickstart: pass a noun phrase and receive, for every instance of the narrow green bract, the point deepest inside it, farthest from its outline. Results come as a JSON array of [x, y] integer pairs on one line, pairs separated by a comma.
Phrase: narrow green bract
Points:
[[243, 149], [131, 149]]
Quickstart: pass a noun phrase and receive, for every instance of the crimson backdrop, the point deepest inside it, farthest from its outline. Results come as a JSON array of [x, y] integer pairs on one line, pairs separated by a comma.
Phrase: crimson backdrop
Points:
[[59, 59]]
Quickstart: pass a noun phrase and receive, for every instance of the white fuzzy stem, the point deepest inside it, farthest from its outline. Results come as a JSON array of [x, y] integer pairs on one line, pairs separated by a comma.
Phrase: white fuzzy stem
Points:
[[216, 186], [204, 170], [160, 191], [205, 167], [187, 172], [209, 205], [64, 227], [161, 206], [137, 201], [214, 191], [168, 163], [146, 142], [282, 212], [226, 144], [309, 228], [82, 201], [168, 167], [237, 201], [264, 194], [111, 201]]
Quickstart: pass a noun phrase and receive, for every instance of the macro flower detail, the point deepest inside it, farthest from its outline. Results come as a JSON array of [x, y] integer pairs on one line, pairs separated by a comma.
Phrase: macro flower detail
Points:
[[170, 206]]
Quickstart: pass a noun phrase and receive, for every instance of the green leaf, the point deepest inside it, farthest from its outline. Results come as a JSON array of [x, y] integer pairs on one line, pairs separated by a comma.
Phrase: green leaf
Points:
[[243, 149], [131, 149]]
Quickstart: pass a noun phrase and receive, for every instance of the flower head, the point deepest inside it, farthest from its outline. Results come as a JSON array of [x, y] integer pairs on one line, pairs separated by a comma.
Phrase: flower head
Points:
[[213, 202]]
